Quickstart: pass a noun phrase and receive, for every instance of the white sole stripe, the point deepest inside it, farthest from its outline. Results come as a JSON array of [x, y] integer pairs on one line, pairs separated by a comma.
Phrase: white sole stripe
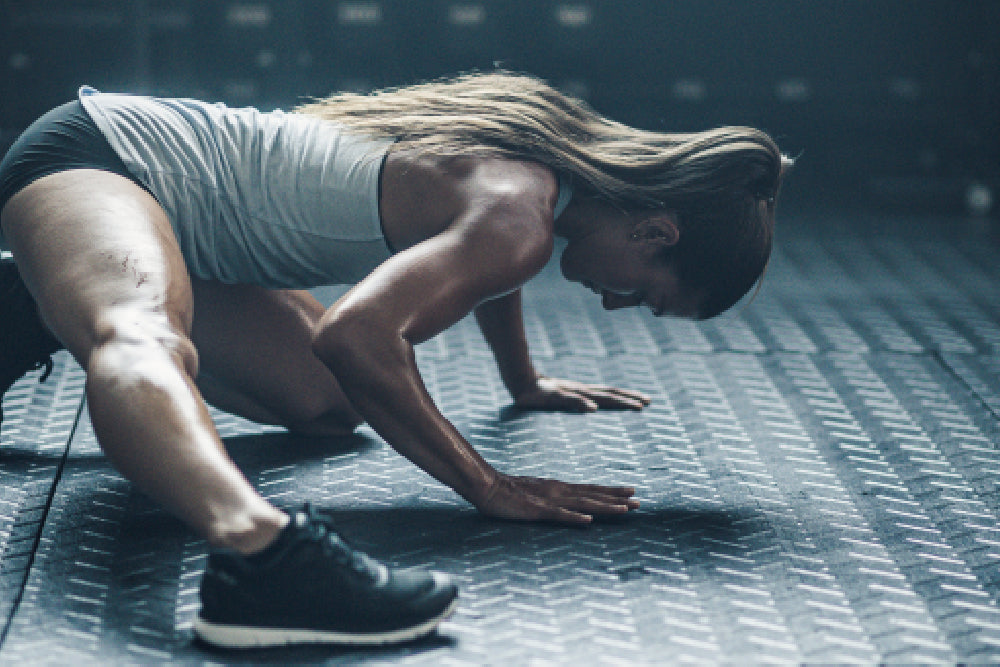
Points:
[[242, 636]]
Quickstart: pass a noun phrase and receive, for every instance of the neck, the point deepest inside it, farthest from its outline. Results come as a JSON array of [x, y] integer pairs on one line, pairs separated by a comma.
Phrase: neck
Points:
[[565, 195], [585, 214]]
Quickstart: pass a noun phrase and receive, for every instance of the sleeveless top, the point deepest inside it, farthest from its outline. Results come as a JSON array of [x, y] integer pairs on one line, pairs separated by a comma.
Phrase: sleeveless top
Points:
[[276, 199]]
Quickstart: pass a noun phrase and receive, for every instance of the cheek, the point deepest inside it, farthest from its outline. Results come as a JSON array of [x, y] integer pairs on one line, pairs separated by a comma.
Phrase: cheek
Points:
[[623, 278], [576, 264]]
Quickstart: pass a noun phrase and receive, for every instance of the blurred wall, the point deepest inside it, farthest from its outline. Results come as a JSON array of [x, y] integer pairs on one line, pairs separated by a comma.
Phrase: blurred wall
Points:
[[893, 102]]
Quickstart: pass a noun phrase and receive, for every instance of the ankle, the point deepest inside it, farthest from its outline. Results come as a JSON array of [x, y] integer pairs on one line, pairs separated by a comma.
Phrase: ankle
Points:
[[250, 534]]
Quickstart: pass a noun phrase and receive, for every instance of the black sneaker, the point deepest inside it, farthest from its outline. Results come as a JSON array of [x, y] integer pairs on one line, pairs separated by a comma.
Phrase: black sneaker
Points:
[[309, 587], [25, 343]]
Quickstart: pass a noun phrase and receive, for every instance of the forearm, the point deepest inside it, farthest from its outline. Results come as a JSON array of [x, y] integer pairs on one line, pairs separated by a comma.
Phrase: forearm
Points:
[[380, 376], [502, 322]]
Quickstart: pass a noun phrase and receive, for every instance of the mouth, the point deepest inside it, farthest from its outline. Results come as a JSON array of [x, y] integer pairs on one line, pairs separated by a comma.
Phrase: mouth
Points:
[[612, 300], [607, 297]]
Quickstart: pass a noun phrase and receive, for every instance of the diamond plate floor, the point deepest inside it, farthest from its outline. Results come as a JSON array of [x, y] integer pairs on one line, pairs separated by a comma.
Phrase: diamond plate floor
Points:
[[819, 475]]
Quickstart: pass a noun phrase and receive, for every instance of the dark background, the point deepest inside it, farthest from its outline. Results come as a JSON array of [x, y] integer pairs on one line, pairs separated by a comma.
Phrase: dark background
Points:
[[889, 103]]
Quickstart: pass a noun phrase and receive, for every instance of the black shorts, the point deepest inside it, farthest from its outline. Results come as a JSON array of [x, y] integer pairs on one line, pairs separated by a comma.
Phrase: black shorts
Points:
[[63, 139]]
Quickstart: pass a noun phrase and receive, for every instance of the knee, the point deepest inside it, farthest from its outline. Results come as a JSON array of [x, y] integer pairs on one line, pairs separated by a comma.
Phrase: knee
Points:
[[134, 344], [322, 418]]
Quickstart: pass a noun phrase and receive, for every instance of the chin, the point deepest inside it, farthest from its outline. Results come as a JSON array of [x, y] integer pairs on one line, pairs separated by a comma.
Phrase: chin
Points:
[[566, 272]]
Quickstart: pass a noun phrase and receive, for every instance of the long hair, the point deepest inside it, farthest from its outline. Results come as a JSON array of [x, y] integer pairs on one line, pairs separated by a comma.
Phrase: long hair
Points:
[[721, 184]]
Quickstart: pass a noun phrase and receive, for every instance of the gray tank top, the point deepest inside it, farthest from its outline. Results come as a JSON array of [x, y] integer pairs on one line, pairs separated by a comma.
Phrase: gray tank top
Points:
[[273, 199]]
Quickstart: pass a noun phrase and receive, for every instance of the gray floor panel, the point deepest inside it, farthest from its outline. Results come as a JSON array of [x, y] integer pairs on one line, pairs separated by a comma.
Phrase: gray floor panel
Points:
[[819, 477], [38, 422]]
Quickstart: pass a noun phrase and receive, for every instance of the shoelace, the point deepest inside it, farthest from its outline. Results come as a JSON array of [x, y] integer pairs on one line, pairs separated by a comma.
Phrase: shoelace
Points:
[[321, 530]]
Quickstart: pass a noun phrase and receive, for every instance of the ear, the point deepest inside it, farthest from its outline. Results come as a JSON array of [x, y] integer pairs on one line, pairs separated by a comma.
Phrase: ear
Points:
[[658, 230]]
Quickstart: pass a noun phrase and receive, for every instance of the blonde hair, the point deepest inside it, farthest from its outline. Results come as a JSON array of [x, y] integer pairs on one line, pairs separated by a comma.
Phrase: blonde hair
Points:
[[704, 178]]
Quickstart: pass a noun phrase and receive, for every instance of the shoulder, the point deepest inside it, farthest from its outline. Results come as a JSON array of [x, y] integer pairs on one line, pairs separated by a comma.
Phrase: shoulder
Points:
[[505, 203], [497, 178], [454, 183]]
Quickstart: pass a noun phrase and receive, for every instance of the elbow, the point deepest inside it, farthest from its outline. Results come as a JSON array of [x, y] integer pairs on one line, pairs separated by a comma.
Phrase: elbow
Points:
[[336, 338], [354, 340]]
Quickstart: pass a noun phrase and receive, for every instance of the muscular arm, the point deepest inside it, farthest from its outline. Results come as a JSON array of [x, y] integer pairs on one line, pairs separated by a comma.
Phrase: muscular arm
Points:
[[502, 322], [367, 338]]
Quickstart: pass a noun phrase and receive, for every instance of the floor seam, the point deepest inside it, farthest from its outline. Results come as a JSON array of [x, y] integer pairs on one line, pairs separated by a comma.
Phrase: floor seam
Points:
[[15, 605]]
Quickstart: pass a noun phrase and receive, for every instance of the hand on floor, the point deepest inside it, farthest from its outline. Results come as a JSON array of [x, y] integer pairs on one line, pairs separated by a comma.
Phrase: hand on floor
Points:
[[536, 499], [570, 396]]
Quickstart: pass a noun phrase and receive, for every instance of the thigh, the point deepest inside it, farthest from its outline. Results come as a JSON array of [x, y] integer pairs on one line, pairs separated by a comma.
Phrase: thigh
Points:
[[100, 257], [258, 342]]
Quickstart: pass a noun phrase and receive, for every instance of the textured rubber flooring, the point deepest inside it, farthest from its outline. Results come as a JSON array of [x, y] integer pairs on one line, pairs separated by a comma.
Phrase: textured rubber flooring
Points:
[[819, 476]]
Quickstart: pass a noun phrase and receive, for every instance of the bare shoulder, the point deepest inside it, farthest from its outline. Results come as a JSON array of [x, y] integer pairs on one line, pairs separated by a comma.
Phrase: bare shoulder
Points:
[[509, 201]]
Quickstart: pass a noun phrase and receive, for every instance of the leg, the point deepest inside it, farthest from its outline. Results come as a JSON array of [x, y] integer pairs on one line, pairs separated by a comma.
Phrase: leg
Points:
[[257, 361], [99, 256]]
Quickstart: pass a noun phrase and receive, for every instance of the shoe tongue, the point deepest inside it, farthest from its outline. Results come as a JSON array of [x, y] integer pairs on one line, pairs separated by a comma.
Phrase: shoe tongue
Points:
[[303, 519]]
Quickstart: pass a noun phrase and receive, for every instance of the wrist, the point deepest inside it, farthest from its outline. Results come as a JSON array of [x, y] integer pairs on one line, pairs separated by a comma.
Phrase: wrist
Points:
[[484, 494], [522, 383]]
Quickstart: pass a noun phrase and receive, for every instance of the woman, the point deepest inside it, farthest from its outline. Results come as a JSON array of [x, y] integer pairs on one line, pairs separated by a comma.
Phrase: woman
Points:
[[166, 243]]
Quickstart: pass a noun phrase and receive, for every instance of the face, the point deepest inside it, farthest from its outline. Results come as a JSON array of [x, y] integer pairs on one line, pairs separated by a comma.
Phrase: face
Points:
[[626, 266]]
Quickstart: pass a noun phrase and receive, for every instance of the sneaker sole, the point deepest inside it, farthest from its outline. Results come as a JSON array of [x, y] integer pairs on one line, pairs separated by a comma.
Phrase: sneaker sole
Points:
[[244, 636]]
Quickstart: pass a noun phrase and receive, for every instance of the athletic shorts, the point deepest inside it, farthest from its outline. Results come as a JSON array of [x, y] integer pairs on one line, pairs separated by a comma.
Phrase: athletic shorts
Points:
[[63, 139]]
